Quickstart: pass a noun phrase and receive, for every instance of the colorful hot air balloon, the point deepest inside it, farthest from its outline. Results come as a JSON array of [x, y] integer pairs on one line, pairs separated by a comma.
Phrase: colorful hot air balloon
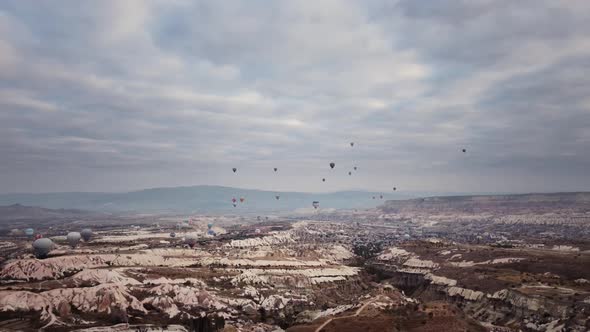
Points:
[[332, 165], [315, 204], [209, 225], [172, 234], [234, 200], [241, 199], [38, 236], [29, 232]]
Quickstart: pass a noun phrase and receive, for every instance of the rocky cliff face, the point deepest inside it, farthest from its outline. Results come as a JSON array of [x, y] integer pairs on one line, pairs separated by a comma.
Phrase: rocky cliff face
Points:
[[501, 307]]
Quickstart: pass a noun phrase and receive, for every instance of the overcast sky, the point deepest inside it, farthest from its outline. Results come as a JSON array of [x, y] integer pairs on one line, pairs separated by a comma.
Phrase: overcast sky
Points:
[[121, 95]]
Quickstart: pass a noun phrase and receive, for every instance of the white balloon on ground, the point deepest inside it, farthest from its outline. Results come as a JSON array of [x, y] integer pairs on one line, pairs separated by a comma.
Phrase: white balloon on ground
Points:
[[73, 239], [42, 247]]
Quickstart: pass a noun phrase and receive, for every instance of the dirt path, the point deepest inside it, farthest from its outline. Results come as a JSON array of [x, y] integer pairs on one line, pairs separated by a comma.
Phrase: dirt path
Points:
[[358, 311]]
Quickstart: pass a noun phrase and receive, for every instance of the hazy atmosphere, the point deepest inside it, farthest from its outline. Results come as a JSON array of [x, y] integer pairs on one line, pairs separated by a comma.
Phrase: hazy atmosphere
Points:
[[124, 95]]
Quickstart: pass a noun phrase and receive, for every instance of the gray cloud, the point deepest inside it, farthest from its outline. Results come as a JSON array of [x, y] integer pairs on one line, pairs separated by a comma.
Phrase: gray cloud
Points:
[[118, 95]]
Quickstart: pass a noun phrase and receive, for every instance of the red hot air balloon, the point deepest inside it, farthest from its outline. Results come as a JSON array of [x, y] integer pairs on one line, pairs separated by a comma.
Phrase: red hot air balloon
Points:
[[38, 236], [241, 199]]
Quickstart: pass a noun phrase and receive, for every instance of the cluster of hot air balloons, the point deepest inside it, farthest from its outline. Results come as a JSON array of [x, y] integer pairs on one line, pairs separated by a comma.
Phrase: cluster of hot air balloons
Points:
[[332, 166], [235, 201], [74, 238], [42, 246]]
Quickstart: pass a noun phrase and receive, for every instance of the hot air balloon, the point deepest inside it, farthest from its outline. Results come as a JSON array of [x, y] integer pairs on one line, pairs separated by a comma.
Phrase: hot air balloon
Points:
[[257, 231], [73, 239], [86, 234], [277, 196], [234, 169], [332, 165], [258, 218], [190, 239], [354, 168], [42, 247], [234, 200], [373, 197], [29, 232], [349, 173], [351, 143], [315, 204], [464, 150], [209, 225], [15, 232], [211, 232], [381, 196], [241, 199], [38, 236], [275, 169], [172, 234], [394, 188], [324, 180], [235, 204]]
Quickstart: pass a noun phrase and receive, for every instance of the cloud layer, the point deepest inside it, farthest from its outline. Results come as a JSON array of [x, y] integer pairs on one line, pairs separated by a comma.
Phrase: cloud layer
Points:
[[118, 95]]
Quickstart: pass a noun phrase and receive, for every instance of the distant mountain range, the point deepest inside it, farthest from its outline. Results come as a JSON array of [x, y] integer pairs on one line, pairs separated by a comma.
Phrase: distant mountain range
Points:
[[499, 204], [200, 199], [21, 212], [217, 199]]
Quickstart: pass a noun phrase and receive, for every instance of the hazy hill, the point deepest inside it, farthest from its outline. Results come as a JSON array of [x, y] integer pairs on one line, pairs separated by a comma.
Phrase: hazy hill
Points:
[[18, 211], [510, 203], [198, 199]]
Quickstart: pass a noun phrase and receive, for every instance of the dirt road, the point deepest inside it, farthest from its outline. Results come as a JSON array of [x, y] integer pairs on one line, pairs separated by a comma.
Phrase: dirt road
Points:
[[358, 311]]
